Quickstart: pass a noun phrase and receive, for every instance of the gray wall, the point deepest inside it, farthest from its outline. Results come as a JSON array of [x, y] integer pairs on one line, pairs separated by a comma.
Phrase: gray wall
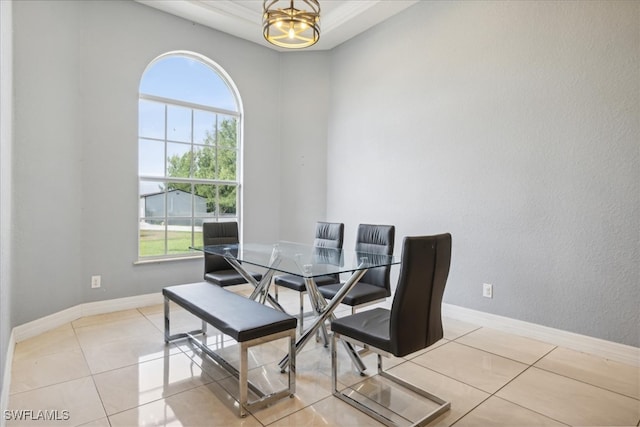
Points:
[[514, 126], [48, 158], [305, 87], [78, 66], [6, 137]]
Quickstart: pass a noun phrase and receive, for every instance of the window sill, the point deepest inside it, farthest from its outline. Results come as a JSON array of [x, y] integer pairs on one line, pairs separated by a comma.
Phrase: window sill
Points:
[[161, 260]]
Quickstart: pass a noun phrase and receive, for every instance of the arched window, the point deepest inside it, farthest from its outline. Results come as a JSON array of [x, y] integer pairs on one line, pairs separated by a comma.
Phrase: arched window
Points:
[[189, 126]]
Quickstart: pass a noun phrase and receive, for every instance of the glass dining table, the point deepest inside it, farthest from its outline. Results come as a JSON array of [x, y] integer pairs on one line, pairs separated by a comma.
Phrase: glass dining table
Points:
[[308, 262]]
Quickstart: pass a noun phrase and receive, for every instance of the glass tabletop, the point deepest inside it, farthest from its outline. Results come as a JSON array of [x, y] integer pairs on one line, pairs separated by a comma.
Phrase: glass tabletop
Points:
[[299, 259]]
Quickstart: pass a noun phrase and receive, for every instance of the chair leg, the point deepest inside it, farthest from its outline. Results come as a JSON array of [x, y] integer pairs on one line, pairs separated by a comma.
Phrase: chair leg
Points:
[[301, 295], [334, 365], [443, 407]]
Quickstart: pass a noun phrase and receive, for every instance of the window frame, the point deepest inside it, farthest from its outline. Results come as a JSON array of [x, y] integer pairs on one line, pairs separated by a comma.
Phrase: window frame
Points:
[[165, 179]]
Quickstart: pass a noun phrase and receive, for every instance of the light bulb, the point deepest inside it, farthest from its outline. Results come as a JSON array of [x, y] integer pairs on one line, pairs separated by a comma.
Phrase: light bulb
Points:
[[292, 33]]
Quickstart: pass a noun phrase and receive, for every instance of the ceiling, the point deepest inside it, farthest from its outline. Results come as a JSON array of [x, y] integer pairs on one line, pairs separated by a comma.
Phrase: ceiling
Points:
[[340, 20]]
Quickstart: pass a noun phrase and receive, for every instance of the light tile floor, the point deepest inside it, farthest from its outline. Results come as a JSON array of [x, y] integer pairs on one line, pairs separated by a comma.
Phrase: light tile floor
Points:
[[115, 370]]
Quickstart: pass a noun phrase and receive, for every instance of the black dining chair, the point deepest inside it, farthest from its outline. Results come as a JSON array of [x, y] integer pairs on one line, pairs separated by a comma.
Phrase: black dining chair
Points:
[[329, 235], [413, 323], [216, 269], [375, 285]]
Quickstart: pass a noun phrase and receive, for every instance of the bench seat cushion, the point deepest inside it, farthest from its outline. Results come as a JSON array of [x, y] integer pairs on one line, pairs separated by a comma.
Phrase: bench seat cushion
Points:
[[235, 315]]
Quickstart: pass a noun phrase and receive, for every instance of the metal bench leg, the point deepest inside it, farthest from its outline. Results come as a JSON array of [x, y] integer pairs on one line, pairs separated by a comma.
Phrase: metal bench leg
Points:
[[167, 326], [243, 381], [166, 321], [242, 374]]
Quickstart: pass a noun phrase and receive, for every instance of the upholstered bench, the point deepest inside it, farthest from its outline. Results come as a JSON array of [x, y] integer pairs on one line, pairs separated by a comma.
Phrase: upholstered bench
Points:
[[248, 322]]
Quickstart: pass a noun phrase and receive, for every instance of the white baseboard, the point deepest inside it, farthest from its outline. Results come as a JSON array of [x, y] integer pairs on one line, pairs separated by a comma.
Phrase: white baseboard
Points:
[[109, 306], [609, 350], [44, 324], [6, 380]]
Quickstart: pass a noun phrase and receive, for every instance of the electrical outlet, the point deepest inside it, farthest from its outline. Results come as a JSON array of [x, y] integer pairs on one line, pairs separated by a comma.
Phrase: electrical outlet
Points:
[[95, 282], [487, 290]]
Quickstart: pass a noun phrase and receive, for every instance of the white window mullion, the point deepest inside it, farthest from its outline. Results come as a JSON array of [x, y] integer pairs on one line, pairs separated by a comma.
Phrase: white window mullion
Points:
[[162, 100], [166, 186]]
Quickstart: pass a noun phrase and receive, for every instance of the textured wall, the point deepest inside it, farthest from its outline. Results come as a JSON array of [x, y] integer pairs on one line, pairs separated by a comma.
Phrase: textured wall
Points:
[[109, 168], [304, 99], [514, 126], [48, 157], [77, 68]]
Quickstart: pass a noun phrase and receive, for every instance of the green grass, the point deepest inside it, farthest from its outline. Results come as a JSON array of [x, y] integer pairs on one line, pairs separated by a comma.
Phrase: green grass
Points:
[[178, 242]]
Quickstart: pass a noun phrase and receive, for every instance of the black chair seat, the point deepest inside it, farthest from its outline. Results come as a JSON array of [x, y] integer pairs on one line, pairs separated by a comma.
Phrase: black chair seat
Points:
[[361, 293], [228, 277], [297, 284], [371, 327]]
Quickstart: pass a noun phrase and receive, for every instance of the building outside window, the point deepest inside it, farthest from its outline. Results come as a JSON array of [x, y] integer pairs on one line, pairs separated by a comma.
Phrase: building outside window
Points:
[[188, 153]]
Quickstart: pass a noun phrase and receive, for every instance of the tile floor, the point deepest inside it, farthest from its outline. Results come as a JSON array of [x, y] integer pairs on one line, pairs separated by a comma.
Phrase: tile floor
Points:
[[115, 370]]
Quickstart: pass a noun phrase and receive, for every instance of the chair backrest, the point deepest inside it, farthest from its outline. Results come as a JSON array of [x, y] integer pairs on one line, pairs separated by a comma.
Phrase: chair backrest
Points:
[[376, 239], [218, 233], [329, 235], [416, 320]]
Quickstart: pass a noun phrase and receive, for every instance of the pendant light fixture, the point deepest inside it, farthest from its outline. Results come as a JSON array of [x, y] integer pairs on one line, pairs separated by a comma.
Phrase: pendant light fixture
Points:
[[291, 24]]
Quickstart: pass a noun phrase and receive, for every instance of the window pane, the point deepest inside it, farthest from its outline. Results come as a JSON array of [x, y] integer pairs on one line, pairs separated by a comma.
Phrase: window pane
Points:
[[205, 200], [227, 132], [152, 202], [152, 241], [178, 235], [178, 200], [190, 81], [179, 160], [150, 157], [227, 164], [228, 195], [150, 119], [204, 125], [178, 123], [197, 232], [205, 162]]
